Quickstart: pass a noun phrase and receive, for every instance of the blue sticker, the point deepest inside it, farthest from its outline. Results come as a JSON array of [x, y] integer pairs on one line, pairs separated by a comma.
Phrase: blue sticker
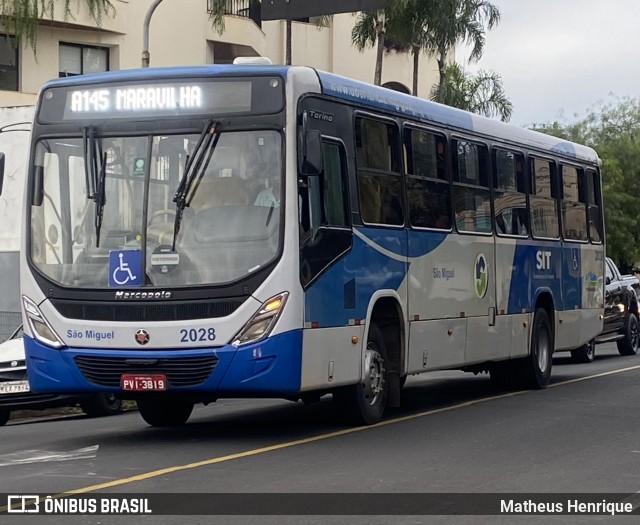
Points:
[[125, 268]]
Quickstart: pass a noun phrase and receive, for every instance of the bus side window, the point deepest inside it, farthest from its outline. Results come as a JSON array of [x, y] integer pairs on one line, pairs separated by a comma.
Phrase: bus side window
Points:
[[428, 190], [379, 182], [574, 204], [510, 200], [544, 202], [471, 187], [593, 206]]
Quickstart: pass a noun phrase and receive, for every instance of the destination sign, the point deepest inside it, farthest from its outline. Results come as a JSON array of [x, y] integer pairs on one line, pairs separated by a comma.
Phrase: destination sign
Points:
[[161, 99]]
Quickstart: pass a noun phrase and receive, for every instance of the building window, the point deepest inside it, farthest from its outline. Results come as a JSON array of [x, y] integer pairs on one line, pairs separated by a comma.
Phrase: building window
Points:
[[8, 63], [80, 60]]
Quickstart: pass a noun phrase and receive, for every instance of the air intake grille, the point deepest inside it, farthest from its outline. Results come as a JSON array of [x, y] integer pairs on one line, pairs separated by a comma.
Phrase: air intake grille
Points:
[[148, 311], [182, 371]]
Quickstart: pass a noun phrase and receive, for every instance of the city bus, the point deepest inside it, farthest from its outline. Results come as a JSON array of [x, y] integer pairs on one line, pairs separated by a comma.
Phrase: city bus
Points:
[[229, 231]]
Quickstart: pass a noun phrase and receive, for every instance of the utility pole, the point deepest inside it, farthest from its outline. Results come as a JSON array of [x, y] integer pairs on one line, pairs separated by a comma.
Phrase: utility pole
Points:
[[145, 33]]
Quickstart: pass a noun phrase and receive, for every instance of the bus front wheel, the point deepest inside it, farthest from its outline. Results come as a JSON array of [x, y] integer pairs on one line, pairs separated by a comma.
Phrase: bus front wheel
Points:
[[159, 412], [364, 403]]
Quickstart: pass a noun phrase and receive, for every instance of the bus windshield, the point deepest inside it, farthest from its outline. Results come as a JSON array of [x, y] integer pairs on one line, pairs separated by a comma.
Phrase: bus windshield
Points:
[[229, 229]]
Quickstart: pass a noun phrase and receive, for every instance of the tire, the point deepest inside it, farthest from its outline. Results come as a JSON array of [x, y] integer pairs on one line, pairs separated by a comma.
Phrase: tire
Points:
[[629, 345], [101, 405], [4, 416], [585, 354], [159, 412], [534, 371], [364, 403]]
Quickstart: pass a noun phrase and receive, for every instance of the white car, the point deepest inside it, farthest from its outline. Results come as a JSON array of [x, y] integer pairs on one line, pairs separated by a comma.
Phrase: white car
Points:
[[15, 393]]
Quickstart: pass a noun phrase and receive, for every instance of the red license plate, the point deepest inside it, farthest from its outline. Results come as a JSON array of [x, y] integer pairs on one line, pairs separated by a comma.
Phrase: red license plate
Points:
[[142, 382]]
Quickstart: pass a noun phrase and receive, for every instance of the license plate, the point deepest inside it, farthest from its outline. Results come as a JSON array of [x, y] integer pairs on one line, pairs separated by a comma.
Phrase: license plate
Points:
[[143, 382], [14, 387]]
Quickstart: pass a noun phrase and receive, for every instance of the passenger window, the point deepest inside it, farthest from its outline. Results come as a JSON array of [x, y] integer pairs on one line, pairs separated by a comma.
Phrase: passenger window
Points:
[[428, 190], [594, 209], [543, 200], [379, 182], [574, 206], [510, 200], [471, 187]]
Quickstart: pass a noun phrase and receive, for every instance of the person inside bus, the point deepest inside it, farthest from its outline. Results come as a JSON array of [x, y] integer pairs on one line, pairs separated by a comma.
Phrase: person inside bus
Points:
[[270, 195]]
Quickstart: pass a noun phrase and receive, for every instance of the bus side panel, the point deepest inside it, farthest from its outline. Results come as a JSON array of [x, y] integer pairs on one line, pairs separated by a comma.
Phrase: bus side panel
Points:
[[436, 344], [339, 298], [330, 357]]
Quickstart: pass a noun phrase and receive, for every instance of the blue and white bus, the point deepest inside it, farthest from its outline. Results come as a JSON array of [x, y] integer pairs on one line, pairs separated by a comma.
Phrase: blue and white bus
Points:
[[198, 233]]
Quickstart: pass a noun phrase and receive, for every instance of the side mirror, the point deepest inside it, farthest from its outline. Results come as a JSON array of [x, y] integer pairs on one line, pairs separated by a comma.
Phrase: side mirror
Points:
[[608, 280], [1, 171]]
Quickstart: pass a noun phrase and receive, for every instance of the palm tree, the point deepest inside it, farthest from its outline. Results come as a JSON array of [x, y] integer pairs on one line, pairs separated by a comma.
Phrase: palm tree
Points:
[[481, 93], [456, 21], [371, 27], [22, 17]]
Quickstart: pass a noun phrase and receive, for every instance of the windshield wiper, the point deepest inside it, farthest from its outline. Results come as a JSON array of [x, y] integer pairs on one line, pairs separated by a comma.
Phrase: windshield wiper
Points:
[[100, 197], [95, 170], [195, 167]]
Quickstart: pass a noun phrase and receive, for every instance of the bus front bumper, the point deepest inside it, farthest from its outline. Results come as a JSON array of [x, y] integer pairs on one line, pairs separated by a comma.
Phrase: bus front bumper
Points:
[[271, 367]]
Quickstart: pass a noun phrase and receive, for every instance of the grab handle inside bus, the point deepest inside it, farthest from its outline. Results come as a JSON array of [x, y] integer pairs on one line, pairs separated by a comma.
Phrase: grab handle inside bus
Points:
[[38, 186], [1, 171]]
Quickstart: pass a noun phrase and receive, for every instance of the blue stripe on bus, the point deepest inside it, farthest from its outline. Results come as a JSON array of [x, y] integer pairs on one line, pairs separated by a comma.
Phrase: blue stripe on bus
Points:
[[563, 278]]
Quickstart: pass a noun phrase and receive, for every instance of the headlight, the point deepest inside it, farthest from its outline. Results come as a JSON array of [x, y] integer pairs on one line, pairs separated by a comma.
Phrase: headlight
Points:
[[39, 325], [263, 321]]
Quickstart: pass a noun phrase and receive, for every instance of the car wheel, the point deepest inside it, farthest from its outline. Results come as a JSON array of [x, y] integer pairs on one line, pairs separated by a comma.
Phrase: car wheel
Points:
[[4, 416], [159, 412], [629, 345], [103, 404], [364, 403], [585, 354]]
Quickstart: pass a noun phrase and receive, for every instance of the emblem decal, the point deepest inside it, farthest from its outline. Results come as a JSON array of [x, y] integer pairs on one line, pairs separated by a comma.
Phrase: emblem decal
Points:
[[480, 276], [142, 337]]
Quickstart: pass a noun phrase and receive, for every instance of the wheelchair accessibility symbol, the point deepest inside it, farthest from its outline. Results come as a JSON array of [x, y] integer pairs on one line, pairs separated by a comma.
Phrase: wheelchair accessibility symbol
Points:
[[125, 268]]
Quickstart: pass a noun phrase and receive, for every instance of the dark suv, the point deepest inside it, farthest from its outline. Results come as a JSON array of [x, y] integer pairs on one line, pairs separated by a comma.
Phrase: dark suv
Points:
[[620, 315]]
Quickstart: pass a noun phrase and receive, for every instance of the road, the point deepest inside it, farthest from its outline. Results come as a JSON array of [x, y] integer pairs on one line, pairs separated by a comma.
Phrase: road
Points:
[[453, 434]]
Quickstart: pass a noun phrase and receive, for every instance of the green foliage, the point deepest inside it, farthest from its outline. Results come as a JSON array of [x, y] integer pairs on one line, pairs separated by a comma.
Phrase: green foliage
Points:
[[21, 17], [613, 130], [481, 93]]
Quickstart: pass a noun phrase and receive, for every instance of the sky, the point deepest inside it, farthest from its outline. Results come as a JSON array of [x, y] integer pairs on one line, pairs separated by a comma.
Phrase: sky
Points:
[[559, 58]]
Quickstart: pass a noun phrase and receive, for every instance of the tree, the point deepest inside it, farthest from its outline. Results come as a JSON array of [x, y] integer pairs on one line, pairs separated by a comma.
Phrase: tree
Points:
[[22, 17], [613, 130], [481, 93], [456, 21], [371, 27]]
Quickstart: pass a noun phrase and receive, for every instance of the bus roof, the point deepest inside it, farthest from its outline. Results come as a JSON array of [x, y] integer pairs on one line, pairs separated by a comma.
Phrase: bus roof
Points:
[[375, 97], [432, 112]]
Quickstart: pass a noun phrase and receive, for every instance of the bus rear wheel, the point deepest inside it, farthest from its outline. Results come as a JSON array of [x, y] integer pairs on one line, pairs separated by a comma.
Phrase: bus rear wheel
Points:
[[159, 412], [364, 403], [534, 371]]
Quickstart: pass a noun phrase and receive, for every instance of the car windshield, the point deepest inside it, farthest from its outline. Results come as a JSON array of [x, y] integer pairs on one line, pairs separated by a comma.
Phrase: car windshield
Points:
[[125, 236]]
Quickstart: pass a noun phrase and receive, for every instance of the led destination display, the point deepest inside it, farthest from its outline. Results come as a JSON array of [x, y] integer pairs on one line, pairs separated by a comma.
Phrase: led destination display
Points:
[[161, 99]]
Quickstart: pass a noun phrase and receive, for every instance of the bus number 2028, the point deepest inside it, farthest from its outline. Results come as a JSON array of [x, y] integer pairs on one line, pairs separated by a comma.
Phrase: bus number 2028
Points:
[[193, 335]]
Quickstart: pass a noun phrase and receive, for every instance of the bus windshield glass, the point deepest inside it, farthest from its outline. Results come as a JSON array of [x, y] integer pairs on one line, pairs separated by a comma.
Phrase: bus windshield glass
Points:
[[230, 226]]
